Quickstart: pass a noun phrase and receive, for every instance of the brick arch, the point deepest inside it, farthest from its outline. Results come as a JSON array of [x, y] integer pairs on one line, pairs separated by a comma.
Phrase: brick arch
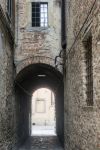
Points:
[[35, 60]]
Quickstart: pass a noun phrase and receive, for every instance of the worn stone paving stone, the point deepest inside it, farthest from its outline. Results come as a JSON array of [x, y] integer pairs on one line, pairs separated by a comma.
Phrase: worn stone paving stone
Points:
[[42, 143]]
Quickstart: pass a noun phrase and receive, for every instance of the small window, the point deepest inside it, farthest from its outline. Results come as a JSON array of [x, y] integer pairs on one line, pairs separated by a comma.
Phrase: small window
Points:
[[39, 14], [9, 7], [89, 71], [40, 106]]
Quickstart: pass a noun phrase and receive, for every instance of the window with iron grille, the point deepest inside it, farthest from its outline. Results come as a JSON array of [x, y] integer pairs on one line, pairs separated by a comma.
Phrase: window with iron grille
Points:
[[89, 71], [9, 7], [39, 14]]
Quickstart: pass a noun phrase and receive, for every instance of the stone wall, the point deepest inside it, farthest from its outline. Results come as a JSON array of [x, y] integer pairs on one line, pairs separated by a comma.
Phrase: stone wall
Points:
[[82, 122], [10, 20], [23, 102], [7, 100], [37, 41]]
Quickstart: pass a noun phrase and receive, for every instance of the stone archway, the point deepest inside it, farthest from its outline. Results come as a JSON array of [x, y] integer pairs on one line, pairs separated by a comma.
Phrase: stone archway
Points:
[[27, 80], [35, 60]]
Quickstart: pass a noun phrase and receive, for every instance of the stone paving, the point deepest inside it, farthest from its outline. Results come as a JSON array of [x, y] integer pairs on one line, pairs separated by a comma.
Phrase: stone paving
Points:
[[43, 131], [42, 143]]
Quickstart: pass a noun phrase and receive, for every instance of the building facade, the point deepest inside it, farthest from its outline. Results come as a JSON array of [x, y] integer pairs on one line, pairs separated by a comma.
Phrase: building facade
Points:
[[38, 31], [7, 108], [82, 78], [43, 108]]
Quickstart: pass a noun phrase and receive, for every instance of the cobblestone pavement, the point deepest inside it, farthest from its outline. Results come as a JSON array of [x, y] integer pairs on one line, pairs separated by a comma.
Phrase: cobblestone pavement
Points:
[[42, 143]]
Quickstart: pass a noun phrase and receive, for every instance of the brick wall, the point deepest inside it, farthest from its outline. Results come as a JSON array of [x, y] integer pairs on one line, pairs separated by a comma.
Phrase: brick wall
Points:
[[37, 41]]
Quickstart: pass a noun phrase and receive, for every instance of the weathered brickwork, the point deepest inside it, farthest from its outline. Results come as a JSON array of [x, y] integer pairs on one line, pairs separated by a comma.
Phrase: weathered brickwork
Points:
[[82, 122], [36, 60], [37, 41]]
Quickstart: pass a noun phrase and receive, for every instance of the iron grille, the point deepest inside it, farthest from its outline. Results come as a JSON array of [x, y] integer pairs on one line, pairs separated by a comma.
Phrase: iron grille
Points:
[[39, 14]]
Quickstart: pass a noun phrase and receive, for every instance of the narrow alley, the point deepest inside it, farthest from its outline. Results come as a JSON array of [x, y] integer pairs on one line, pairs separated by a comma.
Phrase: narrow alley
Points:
[[49, 74], [42, 143]]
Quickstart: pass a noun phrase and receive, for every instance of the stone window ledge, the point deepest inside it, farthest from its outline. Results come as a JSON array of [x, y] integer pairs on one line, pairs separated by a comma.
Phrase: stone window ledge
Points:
[[37, 29], [89, 108]]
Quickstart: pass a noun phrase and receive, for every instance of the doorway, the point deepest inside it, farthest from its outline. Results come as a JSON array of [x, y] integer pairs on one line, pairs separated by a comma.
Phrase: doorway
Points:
[[43, 117], [32, 80]]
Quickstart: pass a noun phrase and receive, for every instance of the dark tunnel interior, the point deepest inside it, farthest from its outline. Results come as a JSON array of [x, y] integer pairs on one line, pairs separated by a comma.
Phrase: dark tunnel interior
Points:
[[27, 81]]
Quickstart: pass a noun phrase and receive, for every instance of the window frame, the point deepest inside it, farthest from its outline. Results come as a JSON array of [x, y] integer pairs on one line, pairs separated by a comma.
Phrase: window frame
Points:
[[89, 69], [44, 106], [39, 26]]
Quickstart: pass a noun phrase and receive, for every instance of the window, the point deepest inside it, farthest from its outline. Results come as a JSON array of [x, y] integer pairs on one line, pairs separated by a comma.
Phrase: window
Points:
[[89, 71], [9, 7], [39, 14], [40, 106]]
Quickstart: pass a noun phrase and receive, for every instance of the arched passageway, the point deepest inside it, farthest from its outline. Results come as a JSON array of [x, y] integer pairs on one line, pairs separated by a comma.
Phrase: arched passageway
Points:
[[43, 120], [27, 81]]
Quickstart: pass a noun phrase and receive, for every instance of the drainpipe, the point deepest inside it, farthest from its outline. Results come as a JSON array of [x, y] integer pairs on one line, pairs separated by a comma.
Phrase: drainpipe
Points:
[[63, 25], [16, 27], [63, 35], [62, 53], [17, 22]]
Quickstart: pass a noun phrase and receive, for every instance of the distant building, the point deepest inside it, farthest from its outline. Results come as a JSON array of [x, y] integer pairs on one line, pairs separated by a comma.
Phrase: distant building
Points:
[[43, 108]]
